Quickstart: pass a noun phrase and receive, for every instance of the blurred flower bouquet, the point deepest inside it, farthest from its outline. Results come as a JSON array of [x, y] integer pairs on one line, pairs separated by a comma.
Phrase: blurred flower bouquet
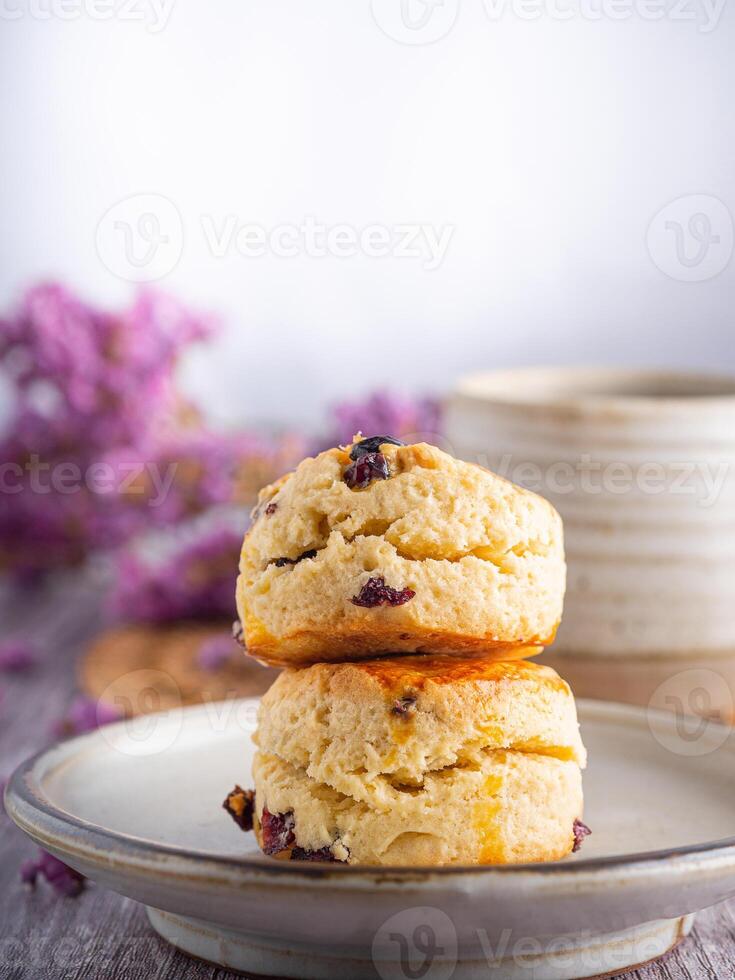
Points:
[[100, 447]]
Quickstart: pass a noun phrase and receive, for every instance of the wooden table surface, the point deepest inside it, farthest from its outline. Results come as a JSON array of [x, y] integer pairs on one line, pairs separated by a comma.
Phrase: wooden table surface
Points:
[[99, 934]]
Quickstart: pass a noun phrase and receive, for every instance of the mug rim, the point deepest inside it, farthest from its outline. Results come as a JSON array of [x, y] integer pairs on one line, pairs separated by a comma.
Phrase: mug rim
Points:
[[593, 387]]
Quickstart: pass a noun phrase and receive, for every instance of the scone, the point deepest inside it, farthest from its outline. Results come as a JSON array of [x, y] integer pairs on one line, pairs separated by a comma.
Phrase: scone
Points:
[[418, 760], [383, 548]]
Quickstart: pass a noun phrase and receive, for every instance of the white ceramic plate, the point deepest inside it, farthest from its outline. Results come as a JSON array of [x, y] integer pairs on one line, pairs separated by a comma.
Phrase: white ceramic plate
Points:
[[136, 806]]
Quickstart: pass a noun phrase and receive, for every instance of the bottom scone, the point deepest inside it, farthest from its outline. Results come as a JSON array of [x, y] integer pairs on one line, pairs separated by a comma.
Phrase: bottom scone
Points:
[[419, 761]]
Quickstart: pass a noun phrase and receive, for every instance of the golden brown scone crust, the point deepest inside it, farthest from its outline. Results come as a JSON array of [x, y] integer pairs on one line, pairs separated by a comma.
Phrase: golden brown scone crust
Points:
[[422, 760], [484, 558]]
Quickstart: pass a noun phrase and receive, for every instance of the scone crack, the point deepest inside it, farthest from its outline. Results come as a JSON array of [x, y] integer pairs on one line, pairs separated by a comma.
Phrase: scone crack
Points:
[[380, 529], [280, 562]]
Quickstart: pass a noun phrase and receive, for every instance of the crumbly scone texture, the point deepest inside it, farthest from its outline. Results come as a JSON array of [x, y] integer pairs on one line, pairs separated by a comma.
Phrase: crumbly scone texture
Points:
[[422, 760], [484, 558], [509, 807]]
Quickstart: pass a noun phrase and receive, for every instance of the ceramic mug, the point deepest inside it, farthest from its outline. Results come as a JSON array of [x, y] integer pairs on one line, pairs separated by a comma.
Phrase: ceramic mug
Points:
[[641, 466]]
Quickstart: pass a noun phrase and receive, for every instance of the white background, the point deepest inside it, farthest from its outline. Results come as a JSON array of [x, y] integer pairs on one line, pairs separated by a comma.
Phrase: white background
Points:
[[548, 145]]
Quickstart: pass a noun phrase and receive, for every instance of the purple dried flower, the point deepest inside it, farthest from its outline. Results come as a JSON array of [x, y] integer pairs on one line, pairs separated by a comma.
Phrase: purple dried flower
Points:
[[86, 715], [60, 876], [17, 656], [580, 831], [408, 419], [193, 582], [94, 404], [82, 372], [216, 651]]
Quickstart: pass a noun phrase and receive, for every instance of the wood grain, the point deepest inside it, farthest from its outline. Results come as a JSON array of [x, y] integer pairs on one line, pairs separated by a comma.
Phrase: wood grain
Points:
[[101, 935]]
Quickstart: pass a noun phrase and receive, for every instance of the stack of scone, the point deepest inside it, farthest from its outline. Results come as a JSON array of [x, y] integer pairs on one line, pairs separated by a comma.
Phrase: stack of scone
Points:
[[402, 590]]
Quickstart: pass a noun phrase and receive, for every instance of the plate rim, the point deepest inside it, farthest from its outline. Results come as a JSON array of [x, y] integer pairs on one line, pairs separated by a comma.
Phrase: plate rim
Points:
[[57, 828]]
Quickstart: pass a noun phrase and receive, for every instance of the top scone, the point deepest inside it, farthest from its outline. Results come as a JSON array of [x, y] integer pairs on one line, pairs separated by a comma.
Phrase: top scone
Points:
[[381, 548]]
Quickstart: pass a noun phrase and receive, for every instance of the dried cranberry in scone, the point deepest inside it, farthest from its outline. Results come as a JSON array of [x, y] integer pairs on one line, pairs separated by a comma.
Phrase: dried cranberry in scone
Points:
[[376, 593], [365, 469], [240, 804], [277, 831], [372, 445]]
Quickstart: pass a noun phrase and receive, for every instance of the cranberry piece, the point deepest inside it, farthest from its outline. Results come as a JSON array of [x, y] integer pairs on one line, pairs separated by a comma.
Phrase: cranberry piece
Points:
[[361, 473], [277, 831], [271, 508], [280, 562], [580, 831], [323, 855], [376, 593], [402, 706], [372, 445], [240, 804]]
